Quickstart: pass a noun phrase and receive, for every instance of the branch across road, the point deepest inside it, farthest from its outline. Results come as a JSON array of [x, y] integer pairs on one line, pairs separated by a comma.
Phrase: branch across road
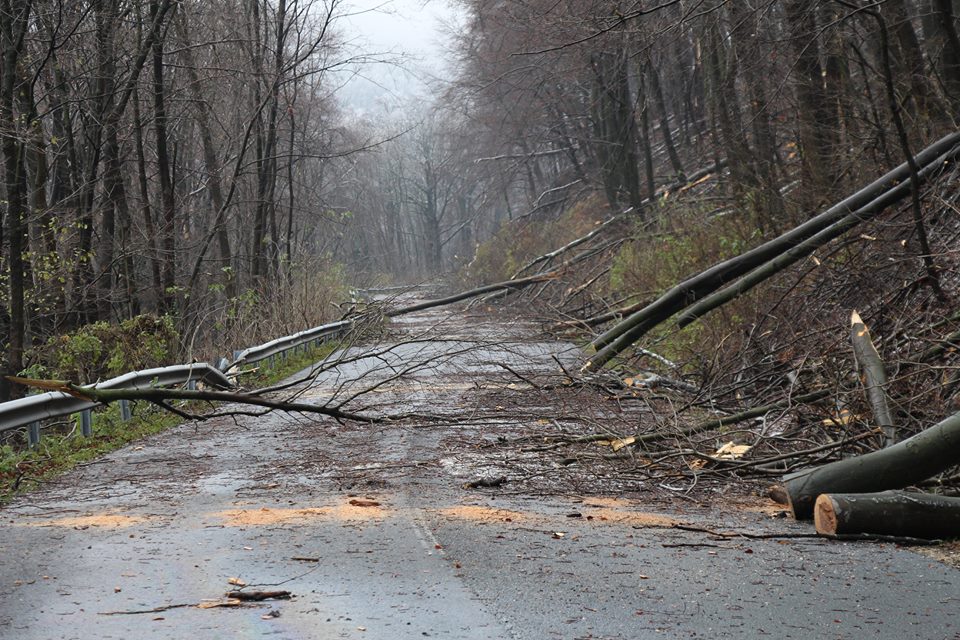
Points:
[[370, 529]]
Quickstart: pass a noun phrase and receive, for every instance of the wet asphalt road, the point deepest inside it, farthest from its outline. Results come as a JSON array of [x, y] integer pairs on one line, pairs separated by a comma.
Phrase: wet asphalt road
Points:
[[370, 529]]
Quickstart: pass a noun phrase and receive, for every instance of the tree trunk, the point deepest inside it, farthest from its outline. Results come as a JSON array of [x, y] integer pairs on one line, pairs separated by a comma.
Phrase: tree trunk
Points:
[[950, 58], [684, 294], [817, 136], [721, 69], [13, 24], [210, 161], [654, 76], [615, 129], [146, 211], [905, 463], [889, 513], [168, 219], [874, 377]]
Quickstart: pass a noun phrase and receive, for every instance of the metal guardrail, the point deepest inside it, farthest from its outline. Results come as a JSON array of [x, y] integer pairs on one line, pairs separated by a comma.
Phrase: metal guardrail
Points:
[[32, 410], [54, 404], [280, 345]]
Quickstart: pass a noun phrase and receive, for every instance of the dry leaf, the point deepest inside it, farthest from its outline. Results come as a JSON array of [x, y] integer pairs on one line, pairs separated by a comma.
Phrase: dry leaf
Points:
[[236, 581], [620, 443]]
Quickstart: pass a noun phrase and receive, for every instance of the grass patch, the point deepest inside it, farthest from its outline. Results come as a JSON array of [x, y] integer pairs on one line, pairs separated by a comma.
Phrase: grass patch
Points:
[[62, 447]]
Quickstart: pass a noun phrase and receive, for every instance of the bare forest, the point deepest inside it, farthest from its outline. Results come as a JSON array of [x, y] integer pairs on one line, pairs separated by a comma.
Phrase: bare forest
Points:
[[543, 331], [702, 191]]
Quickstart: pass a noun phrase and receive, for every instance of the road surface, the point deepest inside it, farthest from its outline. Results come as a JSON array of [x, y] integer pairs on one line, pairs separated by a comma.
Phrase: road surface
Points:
[[371, 529]]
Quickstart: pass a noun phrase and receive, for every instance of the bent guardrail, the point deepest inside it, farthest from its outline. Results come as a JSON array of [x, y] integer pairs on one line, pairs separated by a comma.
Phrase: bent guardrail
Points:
[[32, 410]]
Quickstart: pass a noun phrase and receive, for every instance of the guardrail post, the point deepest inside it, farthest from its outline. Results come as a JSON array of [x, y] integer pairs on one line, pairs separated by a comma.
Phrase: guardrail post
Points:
[[125, 413], [191, 385], [236, 354], [86, 423], [33, 434], [222, 364]]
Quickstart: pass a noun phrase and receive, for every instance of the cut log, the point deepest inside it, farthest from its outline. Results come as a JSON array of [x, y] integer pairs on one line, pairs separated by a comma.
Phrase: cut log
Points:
[[905, 463], [874, 377], [891, 513], [686, 293]]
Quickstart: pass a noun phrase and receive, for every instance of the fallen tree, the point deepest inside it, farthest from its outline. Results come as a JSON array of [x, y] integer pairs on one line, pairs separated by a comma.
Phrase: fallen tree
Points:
[[808, 246], [869, 201], [910, 461], [162, 397], [893, 513], [519, 283]]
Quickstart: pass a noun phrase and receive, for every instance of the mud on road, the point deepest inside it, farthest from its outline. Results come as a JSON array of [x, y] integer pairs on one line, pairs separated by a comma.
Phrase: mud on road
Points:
[[457, 524]]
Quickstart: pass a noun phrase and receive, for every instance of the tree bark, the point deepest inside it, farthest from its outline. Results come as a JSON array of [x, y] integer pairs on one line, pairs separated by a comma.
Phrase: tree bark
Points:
[[806, 247], [14, 18], [891, 513], [874, 377], [817, 138], [654, 76], [210, 162], [905, 463], [168, 218], [519, 283]]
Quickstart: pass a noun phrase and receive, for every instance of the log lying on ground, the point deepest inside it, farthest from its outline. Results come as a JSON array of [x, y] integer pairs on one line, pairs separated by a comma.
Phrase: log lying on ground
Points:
[[519, 283], [632, 328], [905, 463], [874, 377], [892, 513]]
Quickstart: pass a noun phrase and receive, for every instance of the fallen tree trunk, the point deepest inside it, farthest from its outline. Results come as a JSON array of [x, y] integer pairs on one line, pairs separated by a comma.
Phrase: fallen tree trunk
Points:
[[808, 246], [519, 283], [632, 328], [892, 513], [905, 463], [874, 377]]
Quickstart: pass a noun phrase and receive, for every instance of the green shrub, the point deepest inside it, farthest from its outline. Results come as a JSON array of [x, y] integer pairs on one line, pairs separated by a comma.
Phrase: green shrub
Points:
[[103, 350]]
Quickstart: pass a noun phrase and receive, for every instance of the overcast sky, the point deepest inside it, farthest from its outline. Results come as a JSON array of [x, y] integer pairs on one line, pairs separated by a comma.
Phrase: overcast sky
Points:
[[413, 29]]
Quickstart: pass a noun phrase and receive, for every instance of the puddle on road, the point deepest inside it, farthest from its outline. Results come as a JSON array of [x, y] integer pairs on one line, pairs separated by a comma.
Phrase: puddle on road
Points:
[[364, 510], [104, 520]]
